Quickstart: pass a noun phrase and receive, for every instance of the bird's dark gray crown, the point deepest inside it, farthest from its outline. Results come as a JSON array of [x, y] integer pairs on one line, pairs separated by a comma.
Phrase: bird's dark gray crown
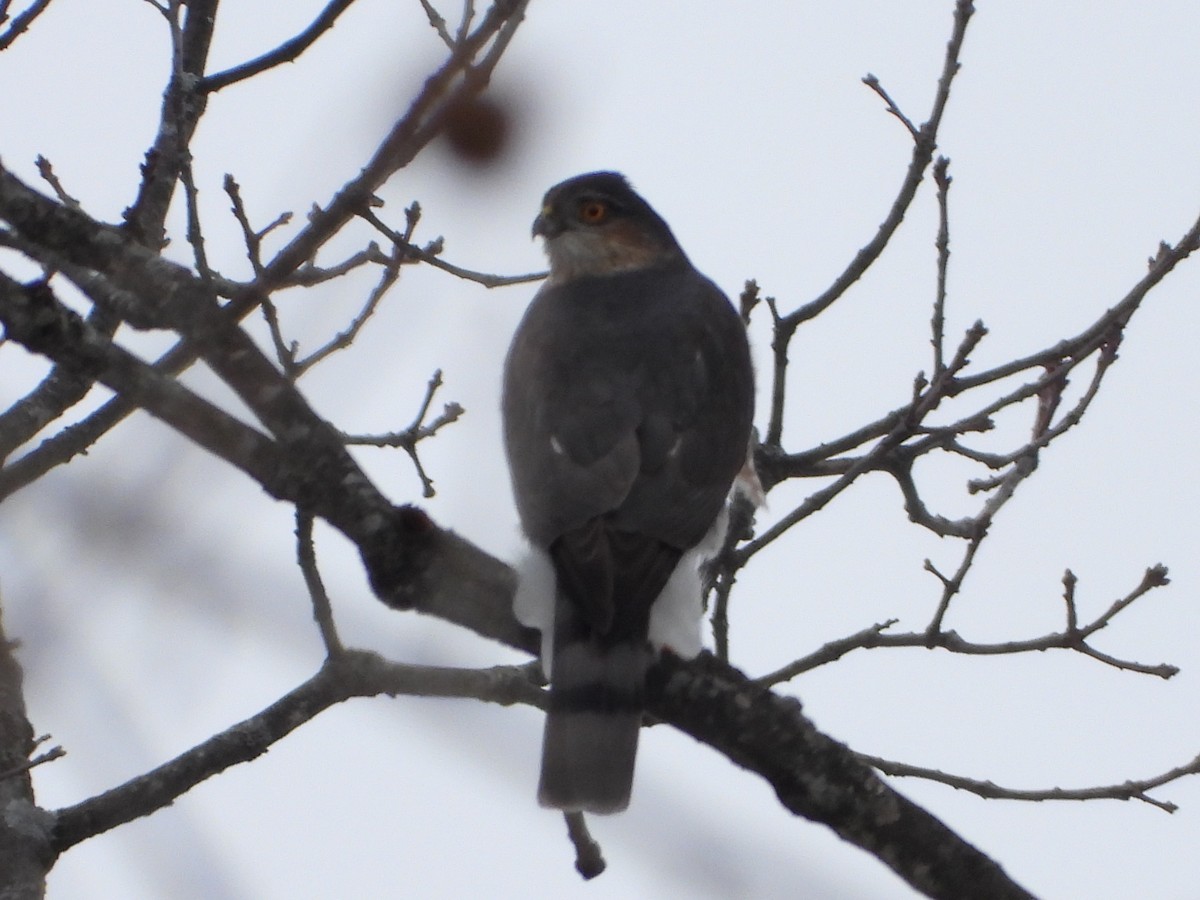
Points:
[[629, 234]]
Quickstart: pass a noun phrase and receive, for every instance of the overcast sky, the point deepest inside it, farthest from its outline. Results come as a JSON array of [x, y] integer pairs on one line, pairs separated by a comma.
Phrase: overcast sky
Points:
[[154, 592]]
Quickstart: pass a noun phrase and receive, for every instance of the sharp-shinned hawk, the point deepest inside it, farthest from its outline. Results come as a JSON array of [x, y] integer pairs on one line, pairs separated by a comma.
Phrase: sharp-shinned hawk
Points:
[[628, 397]]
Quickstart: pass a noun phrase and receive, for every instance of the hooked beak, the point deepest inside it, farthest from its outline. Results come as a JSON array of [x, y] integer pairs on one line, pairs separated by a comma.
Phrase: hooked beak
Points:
[[547, 224]]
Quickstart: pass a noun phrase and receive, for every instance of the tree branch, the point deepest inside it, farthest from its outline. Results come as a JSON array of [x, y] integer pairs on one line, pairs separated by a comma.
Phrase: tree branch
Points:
[[288, 51], [465, 73], [1072, 637], [19, 23], [924, 144], [819, 779], [25, 826], [1126, 790], [355, 673]]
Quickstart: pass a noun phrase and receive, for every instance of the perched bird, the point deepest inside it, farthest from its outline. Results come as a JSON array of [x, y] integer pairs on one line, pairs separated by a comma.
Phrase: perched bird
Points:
[[628, 397]]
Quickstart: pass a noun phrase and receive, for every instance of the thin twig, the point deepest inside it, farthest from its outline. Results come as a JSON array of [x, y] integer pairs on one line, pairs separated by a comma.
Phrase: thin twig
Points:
[[781, 338], [47, 172], [343, 339], [952, 585], [1154, 577], [195, 234], [879, 456], [464, 24], [938, 323], [924, 144], [873, 83], [46, 756], [431, 254], [306, 556], [310, 274], [253, 237], [284, 352], [419, 430], [288, 51], [1069, 581], [1073, 637], [438, 23], [830, 652], [925, 140], [389, 276], [1126, 790], [589, 858]]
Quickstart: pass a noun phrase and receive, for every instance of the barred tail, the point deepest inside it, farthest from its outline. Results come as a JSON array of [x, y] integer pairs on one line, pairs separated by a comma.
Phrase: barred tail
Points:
[[591, 736]]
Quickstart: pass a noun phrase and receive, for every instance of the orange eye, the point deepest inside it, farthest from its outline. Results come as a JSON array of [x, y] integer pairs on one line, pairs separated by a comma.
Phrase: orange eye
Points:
[[593, 212]]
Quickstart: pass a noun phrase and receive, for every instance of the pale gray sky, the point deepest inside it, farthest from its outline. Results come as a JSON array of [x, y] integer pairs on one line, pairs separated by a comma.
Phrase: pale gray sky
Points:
[[1073, 136]]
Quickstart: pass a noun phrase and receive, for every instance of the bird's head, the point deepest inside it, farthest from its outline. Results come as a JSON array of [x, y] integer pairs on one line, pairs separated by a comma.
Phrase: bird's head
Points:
[[596, 225]]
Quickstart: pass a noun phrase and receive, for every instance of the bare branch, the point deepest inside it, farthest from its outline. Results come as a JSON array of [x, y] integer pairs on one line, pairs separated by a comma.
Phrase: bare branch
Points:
[[285, 353], [354, 673], [288, 51], [195, 233], [438, 23], [942, 179], [447, 86], [873, 83], [781, 337], [34, 318], [53, 396], [309, 274], [951, 586], [486, 279], [464, 24], [23, 839], [720, 573], [589, 858], [1072, 637], [182, 107], [924, 143], [1126, 790], [252, 237], [306, 556], [1154, 577], [343, 339], [47, 756], [815, 777], [1101, 331], [418, 431], [880, 456], [925, 140], [19, 23], [410, 253], [834, 650], [47, 172]]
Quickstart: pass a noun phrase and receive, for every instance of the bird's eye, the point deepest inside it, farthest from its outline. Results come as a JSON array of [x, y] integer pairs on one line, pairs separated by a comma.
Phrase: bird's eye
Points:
[[593, 212]]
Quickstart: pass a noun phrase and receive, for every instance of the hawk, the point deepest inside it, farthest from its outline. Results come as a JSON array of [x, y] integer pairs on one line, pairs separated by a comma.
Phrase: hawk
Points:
[[627, 400]]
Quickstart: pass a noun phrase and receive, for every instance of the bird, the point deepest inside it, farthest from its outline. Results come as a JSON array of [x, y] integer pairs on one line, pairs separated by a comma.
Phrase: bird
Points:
[[627, 406]]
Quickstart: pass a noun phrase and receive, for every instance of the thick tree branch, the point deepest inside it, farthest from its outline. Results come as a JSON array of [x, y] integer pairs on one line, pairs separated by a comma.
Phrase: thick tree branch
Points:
[[464, 74], [61, 390], [183, 105], [820, 779], [24, 854], [414, 564], [33, 317]]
